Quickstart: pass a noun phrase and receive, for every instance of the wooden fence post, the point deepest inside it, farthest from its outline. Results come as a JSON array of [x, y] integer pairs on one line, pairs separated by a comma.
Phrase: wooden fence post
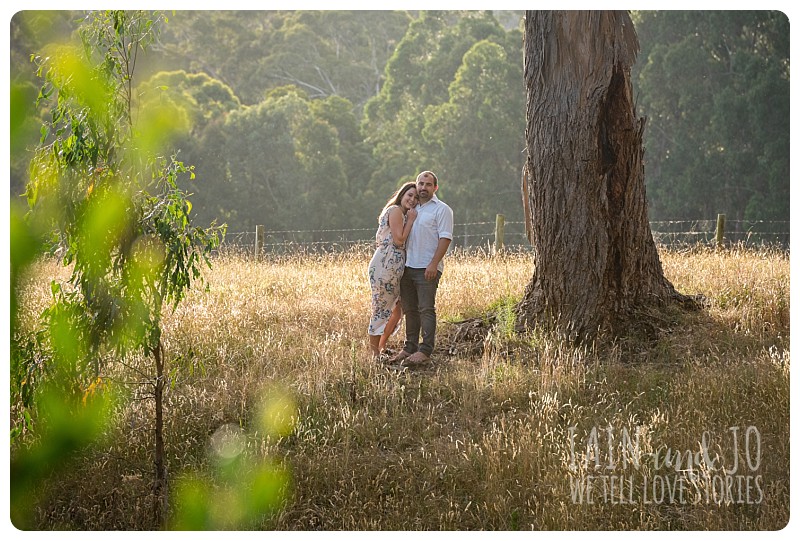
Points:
[[259, 245], [499, 233], [720, 230]]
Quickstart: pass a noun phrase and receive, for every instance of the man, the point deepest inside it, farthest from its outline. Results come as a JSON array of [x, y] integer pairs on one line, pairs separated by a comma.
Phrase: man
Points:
[[425, 248]]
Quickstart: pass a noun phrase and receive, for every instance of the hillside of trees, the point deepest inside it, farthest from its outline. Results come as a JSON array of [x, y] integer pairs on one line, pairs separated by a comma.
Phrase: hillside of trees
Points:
[[303, 120]]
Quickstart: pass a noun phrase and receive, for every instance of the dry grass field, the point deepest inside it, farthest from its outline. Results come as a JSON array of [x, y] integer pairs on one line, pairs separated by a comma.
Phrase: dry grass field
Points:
[[682, 425]]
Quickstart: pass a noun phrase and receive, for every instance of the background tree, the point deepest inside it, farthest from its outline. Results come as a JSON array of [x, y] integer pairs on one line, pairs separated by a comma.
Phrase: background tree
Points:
[[30, 31], [474, 134], [356, 162], [324, 53], [204, 98], [102, 186], [448, 105], [595, 261], [416, 93], [282, 162], [393, 119], [207, 103], [714, 86]]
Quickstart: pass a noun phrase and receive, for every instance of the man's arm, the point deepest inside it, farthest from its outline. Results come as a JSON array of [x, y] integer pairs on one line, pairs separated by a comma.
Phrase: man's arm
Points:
[[433, 267], [445, 227]]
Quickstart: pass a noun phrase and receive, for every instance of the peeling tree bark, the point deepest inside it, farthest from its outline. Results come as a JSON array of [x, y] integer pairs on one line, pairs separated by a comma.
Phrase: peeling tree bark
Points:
[[595, 260]]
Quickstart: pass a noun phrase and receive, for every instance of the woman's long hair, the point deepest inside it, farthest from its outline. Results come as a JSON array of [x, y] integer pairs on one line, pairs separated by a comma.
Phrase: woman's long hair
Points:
[[397, 197]]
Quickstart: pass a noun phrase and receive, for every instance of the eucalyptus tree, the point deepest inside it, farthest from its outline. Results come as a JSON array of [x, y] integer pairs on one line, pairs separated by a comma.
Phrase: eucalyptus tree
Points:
[[356, 160], [283, 165], [103, 186], [202, 97], [595, 261], [714, 86], [477, 136], [323, 52], [30, 30], [207, 103], [418, 77]]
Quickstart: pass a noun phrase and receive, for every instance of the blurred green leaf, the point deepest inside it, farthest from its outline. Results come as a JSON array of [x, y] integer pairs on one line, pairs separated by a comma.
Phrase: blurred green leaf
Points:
[[64, 426], [193, 505], [277, 412]]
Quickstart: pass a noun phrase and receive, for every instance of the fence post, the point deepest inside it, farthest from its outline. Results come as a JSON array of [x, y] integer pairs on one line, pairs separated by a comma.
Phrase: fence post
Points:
[[259, 245], [720, 229], [499, 233]]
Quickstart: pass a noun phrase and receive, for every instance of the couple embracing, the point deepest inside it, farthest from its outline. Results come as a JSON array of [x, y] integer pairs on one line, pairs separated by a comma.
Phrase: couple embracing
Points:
[[415, 229]]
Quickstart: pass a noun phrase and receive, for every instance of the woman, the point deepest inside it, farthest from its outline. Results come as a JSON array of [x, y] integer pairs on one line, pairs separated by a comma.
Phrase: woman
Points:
[[387, 264]]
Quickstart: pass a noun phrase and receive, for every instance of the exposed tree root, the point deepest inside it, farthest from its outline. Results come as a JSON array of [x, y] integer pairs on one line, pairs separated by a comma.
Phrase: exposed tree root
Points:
[[645, 325]]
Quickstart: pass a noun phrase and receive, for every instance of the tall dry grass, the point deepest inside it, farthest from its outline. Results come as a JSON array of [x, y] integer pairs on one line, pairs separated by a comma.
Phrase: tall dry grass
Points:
[[500, 439]]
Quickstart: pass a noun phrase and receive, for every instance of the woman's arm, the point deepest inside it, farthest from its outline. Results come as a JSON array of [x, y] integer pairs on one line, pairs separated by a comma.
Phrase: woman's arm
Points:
[[399, 230]]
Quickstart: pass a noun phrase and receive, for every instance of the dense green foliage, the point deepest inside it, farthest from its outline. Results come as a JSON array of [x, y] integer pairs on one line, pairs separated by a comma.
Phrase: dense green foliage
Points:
[[109, 197], [715, 88], [453, 102], [104, 198], [309, 119]]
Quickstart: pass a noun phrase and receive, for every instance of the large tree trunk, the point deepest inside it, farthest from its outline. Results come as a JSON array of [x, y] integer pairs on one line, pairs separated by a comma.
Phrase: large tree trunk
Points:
[[595, 260]]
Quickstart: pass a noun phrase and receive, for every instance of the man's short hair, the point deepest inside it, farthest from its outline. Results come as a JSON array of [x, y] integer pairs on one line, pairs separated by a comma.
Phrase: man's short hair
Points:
[[431, 173]]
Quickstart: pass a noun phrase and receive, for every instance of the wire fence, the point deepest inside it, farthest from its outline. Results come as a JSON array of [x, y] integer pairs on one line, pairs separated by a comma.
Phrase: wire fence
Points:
[[481, 236]]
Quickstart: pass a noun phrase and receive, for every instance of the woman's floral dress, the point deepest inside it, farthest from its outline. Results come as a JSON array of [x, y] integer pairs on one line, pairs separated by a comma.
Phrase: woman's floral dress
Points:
[[385, 270]]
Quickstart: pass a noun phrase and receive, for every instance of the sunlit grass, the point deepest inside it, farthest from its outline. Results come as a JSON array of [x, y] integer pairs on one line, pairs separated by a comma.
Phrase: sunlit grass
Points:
[[479, 441]]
